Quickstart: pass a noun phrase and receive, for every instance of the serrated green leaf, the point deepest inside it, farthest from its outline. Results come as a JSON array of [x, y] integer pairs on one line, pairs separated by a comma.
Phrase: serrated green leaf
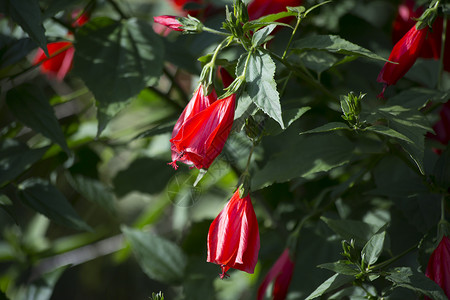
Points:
[[332, 283], [27, 14], [410, 123], [350, 229], [44, 198], [334, 44], [159, 258], [30, 106], [260, 36], [15, 158], [388, 132], [328, 127], [322, 153], [373, 248], [260, 84], [94, 191], [131, 59], [407, 278], [146, 175], [342, 267]]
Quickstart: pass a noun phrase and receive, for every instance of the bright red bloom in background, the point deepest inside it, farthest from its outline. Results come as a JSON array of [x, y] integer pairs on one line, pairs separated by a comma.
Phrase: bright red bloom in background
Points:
[[202, 136], [60, 61], [233, 237], [169, 21], [405, 53], [281, 272], [438, 268], [259, 8]]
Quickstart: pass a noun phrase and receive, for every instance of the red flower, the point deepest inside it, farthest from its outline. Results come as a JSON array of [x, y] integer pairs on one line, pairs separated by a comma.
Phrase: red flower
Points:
[[281, 272], [259, 8], [198, 138], [169, 21], [233, 238], [405, 53], [438, 268], [60, 61], [80, 18]]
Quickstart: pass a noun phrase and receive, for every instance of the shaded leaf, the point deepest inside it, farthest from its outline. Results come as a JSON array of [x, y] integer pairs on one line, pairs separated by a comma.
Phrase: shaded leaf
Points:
[[332, 283], [30, 106], [27, 14], [94, 191], [441, 170], [334, 44], [388, 132], [14, 50], [328, 127], [159, 258], [342, 267], [318, 61], [4, 200], [350, 229], [260, 36], [306, 155], [130, 59], [15, 158], [407, 278], [44, 198], [146, 175]]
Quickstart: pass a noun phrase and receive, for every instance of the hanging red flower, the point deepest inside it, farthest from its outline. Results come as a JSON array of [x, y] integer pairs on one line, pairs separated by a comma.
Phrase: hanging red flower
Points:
[[404, 53], [202, 136], [233, 237], [60, 61], [438, 268], [281, 272]]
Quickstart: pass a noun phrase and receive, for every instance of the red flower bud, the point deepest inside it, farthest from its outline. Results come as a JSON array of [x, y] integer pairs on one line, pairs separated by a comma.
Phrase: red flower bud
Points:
[[233, 238], [281, 272], [405, 53], [60, 61], [169, 21], [202, 129], [438, 268]]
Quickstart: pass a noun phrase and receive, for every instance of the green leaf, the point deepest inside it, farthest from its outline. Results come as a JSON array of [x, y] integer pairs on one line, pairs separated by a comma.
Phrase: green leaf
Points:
[[417, 98], [269, 20], [14, 50], [107, 111], [388, 132], [146, 175], [323, 153], [131, 58], [159, 129], [318, 61], [94, 191], [260, 84], [334, 44], [350, 229], [15, 158], [27, 14], [292, 115], [407, 278], [44, 198], [342, 267], [328, 127], [30, 106], [410, 123], [159, 258], [373, 248], [260, 36], [332, 283]]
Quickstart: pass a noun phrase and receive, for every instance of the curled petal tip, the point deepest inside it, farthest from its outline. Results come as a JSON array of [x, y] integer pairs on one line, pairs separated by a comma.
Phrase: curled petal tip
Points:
[[173, 164]]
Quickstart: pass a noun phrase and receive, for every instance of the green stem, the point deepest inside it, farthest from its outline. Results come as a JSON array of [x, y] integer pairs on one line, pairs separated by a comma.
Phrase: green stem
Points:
[[118, 9], [393, 259], [441, 59], [292, 37], [207, 29]]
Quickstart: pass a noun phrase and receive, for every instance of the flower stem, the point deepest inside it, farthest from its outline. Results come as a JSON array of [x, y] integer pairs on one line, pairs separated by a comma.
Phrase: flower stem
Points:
[[299, 19], [393, 259], [215, 31]]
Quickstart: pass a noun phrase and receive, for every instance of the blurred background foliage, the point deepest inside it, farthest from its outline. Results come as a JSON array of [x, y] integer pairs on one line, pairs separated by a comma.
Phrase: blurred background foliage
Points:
[[89, 208]]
